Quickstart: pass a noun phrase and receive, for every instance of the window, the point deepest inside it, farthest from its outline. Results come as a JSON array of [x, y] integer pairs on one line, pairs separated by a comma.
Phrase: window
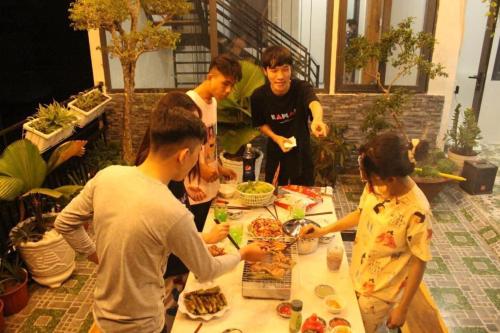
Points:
[[371, 18]]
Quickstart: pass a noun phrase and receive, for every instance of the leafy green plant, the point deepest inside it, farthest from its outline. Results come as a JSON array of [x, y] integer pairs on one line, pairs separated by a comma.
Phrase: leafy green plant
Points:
[[129, 39], [103, 154], [233, 113], [11, 269], [435, 163], [404, 50], [464, 137], [330, 155], [88, 101], [23, 172], [52, 117]]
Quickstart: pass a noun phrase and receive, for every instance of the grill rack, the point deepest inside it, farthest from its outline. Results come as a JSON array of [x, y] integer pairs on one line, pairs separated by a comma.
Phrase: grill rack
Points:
[[269, 288]]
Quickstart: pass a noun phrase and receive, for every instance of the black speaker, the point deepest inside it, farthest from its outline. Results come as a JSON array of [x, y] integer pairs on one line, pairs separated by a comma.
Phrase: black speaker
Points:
[[480, 176]]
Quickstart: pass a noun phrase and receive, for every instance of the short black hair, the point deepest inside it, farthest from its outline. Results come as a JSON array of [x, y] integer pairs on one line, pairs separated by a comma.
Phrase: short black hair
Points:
[[276, 56], [175, 126], [387, 155], [228, 65]]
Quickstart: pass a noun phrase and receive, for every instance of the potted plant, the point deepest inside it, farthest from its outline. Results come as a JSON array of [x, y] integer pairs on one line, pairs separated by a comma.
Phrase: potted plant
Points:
[[23, 171], [234, 119], [13, 283], [463, 138], [330, 155], [88, 105], [129, 39], [50, 125], [429, 173]]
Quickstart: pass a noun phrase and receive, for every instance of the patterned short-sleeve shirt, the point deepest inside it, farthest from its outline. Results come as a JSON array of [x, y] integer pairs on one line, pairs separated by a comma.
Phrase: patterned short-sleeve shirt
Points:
[[389, 233]]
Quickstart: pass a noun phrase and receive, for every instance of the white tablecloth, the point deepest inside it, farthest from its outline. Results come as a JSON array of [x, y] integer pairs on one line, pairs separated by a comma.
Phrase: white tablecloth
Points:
[[259, 315]]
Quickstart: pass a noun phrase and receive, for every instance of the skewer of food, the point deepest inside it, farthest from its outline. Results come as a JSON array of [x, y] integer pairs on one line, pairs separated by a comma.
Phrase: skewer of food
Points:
[[205, 301]]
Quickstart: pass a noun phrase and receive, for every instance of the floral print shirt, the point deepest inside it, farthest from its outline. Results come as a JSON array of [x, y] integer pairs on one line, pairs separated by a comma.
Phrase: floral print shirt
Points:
[[389, 233]]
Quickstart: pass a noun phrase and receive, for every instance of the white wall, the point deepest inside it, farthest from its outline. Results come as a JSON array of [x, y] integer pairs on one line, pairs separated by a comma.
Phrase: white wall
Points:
[[489, 115]]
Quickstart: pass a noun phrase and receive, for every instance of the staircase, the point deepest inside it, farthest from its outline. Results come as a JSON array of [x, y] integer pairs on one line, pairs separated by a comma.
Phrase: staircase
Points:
[[235, 18]]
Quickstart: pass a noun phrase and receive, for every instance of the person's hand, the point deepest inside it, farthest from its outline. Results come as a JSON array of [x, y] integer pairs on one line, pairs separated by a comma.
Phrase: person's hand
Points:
[[216, 234], [319, 128], [397, 317], [195, 193], [311, 231], [280, 141], [208, 173], [227, 173], [93, 257], [253, 252]]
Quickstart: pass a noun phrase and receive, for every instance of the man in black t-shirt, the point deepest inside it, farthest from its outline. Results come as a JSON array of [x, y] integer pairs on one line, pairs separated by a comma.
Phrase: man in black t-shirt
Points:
[[282, 109]]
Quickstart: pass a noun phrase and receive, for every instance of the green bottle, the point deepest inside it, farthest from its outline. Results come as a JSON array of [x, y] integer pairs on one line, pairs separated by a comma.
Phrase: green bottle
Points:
[[296, 317]]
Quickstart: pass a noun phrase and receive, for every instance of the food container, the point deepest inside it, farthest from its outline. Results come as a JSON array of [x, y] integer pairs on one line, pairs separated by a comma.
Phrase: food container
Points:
[[323, 290], [234, 214], [304, 245], [255, 194], [341, 329], [284, 309], [334, 304], [227, 190], [337, 321]]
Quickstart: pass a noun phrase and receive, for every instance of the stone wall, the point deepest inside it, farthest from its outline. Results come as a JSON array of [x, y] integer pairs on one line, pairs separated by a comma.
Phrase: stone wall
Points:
[[421, 111]]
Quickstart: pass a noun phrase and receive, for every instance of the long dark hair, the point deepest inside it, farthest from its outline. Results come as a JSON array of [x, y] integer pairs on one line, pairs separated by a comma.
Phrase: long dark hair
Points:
[[171, 100]]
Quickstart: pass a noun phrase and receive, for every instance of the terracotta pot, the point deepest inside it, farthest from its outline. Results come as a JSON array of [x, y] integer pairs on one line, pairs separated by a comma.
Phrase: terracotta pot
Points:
[[431, 186], [16, 296], [459, 159]]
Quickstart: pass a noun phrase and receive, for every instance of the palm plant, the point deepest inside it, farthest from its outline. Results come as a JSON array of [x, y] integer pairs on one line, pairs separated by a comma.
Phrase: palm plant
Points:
[[22, 174]]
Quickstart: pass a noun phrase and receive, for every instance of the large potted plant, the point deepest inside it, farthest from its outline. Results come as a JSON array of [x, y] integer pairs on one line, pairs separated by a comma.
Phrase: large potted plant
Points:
[[13, 283], [234, 119], [50, 125], [23, 171], [89, 105], [463, 138], [129, 39], [330, 155]]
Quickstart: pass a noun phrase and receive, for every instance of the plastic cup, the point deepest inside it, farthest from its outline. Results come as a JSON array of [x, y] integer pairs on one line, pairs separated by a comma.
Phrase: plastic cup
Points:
[[236, 231], [334, 256], [298, 210], [220, 212]]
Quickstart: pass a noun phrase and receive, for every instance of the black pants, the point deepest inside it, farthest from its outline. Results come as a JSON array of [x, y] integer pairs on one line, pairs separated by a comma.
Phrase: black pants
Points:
[[175, 266], [288, 167]]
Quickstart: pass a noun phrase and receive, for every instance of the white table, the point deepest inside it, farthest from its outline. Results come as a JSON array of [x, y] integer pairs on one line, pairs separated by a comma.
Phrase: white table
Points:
[[259, 315]]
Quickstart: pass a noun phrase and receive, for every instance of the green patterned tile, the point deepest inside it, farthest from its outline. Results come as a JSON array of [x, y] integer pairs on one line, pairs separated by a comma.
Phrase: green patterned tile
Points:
[[445, 216], [480, 266], [489, 234], [436, 266], [460, 238], [87, 323], [468, 330], [450, 299], [42, 321], [73, 285], [466, 214], [494, 296]]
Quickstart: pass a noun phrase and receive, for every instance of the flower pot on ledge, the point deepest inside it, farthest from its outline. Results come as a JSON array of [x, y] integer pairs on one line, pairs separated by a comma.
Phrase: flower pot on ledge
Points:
[[86, 116], [45, 141]]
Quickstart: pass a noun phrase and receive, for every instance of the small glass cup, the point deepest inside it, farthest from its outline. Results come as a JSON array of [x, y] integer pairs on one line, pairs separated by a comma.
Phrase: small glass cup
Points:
[[334, 256], [220, 211], [236, 231], [298, 210]]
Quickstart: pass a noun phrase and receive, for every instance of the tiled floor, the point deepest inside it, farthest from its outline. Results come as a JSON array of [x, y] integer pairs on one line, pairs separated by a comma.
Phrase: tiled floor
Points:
[[463, 277]]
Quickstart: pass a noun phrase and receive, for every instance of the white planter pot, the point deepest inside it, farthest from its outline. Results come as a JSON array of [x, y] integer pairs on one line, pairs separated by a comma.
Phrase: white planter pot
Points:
[[50, 261], [85, 117], [237, 166], [459, 160], [45, 141]]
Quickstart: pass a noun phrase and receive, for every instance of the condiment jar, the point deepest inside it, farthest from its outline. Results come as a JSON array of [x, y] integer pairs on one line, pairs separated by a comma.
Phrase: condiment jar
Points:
[[296, 316]]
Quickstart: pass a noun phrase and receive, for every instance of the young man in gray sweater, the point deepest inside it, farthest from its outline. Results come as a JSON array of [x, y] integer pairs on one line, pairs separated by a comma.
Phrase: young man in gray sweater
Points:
[[138, 223]]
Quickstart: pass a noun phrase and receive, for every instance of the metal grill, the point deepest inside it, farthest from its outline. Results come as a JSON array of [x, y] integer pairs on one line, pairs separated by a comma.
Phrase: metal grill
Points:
[[269, 288]]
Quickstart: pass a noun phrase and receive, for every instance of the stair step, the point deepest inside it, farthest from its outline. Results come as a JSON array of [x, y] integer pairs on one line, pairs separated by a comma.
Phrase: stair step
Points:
[[191, 62]]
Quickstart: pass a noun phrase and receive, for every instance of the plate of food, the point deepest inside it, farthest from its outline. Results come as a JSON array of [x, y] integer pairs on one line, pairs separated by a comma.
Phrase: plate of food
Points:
[[265, 227], [203, 304]]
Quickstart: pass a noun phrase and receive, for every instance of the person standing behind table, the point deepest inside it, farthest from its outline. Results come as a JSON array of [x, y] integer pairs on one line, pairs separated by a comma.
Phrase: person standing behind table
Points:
[[138, 222], [281, 109], [393, 237], [223, 73], [175, 267]]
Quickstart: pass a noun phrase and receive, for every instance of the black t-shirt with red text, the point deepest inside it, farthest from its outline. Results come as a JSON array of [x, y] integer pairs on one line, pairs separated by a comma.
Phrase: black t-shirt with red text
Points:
[[288, 116]]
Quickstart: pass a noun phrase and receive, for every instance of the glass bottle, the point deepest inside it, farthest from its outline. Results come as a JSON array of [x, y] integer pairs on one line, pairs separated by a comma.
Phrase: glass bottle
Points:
[[296, 316]]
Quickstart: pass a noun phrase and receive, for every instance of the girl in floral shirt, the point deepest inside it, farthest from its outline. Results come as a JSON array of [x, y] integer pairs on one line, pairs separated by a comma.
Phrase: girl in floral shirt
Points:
[[392, 242]]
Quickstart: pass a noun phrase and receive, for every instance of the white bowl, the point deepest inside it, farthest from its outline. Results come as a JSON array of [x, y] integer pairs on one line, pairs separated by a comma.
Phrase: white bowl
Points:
[[341, 329], [227, 190], [331, 300]]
